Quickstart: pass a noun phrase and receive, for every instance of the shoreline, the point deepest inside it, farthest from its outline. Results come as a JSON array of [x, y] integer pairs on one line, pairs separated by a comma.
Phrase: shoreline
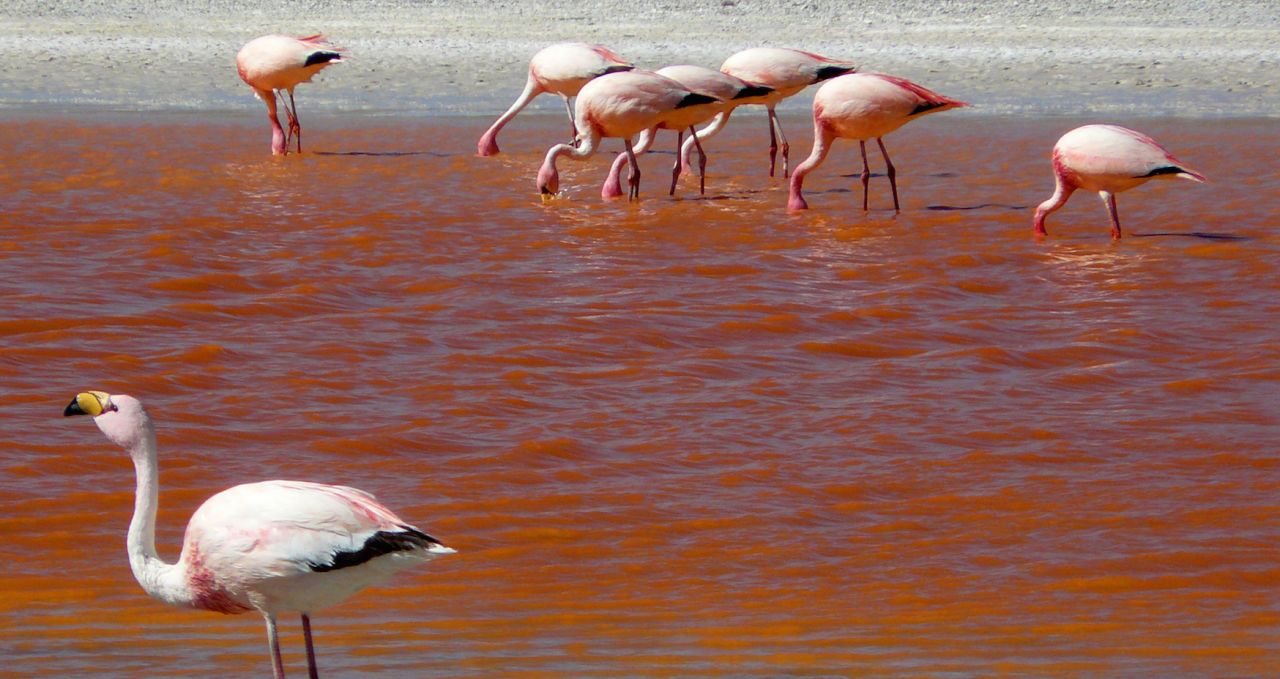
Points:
[[470, 58]]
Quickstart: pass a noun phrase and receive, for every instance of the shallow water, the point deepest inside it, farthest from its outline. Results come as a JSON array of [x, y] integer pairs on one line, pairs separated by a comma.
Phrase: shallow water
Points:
[[679, 437]]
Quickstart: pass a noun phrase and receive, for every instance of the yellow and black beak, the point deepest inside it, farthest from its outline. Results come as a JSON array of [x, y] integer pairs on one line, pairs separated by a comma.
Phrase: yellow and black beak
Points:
[[88, 403]]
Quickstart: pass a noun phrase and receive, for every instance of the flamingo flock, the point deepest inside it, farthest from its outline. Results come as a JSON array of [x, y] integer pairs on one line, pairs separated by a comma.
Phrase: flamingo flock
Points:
[[615, 99], [296, 547]]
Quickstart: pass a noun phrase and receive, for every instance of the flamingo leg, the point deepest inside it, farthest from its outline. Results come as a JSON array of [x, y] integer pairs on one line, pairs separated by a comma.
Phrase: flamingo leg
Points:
[[311, 650], [633, 175], [866, 174], [1109, 199], [893, 174], [273, 641], [294, 125], [786, 148], [573, 127], [288, 139], [702, 164], [773, 142], [675, 171]]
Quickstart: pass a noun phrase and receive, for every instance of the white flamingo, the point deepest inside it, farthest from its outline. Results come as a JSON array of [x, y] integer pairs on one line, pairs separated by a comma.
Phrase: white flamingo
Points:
[[271, 547], [562, 68], [1107, 159], [274, 64]]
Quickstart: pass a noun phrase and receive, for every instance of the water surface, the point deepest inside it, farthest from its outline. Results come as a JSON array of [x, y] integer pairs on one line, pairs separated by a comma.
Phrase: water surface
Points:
[[679, 437]]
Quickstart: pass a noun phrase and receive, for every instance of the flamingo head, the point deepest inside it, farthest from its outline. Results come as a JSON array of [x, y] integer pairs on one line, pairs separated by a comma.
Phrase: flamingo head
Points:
[[548, 180], [488, 145], [122, 418]]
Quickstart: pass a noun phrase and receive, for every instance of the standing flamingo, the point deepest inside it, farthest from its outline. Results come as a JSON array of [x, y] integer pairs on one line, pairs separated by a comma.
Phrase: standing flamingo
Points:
[[729, 92], [619, 105], [862, 106], [1107, 159], [786, 71], [563, 69], [275, 63], [274, 546]]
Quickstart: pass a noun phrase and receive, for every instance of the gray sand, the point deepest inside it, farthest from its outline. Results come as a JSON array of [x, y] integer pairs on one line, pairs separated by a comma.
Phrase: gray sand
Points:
[[1131, 57]]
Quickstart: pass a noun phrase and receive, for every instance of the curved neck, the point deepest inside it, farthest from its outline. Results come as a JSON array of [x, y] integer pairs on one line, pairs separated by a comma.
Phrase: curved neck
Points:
[[159, 579]]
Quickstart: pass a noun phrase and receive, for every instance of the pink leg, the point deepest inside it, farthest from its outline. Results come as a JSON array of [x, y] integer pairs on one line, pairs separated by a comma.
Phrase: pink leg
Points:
[[633, 177], [294, 125], [702, 165], [277, 663], [866, 174], [773, 143], [786, 148], [893, 174], [573, 127], [1110, 200], [311, 650], [675, 171]]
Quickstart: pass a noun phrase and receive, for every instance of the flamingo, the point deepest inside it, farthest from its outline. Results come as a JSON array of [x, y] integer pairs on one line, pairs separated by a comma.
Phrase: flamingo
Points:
[[273, 64], [273, 546], [730, 92], [862, 106], [1107, 159], [619, 105], [786, 71], [563, 69]]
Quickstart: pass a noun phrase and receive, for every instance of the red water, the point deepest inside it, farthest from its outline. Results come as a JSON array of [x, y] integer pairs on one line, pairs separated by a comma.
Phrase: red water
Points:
[[684, 437]]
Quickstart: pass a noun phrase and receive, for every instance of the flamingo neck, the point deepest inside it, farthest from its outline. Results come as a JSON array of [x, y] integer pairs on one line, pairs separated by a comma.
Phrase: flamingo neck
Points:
[[161, 580]]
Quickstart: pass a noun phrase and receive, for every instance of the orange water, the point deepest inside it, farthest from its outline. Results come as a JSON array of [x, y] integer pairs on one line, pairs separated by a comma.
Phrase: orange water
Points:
[[684, 437]]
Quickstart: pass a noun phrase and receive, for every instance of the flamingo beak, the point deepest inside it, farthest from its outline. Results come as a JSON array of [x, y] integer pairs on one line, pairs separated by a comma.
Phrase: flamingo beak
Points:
[[92, 403]]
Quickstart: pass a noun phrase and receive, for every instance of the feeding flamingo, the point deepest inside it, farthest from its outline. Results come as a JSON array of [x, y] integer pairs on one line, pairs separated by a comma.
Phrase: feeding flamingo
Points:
[[619, 105], [863, 106], [729, 92], [562, 69], [273, 64], [786, 71], [1107, 159], [273, 547]]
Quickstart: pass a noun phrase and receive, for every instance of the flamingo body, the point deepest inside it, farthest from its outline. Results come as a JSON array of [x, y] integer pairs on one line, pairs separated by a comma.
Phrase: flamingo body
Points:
[[620, 104], [273, 546], [279, 63], [561, 69], [863, 106], [1107, 159], [727, 92], [786, 72]]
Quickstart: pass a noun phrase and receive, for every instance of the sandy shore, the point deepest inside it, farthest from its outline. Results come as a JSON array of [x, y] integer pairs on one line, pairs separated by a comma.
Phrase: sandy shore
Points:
[[1132, 57]]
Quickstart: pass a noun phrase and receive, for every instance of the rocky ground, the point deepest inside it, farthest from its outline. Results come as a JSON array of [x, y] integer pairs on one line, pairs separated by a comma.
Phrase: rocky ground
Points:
[[1137, 57]]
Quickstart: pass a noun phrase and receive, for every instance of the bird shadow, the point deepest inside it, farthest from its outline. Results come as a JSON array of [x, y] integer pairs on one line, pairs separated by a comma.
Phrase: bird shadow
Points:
[[1207, 235], [388, 154], [979, 206]]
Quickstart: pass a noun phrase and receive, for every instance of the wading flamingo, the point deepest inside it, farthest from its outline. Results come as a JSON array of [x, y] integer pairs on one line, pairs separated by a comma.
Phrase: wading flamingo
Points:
[[863, 106], [562, 69], [786, 71], [273, 547], [1107, 159], [275, 64], [618, 105], [730, 92]]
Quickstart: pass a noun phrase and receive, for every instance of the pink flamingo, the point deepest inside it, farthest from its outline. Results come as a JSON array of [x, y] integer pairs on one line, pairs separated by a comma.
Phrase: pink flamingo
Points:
[[1107, 159], [786, 71], [275, 63], [619, 105], [563, 69], [729, 92], [863, 106], [272, 547]]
